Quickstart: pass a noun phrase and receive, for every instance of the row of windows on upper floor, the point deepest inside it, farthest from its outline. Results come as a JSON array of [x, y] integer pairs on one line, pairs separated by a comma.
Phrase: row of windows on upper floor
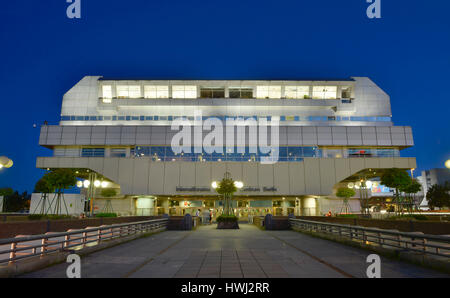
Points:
[[224, 118], [191, 91], [165, 153]]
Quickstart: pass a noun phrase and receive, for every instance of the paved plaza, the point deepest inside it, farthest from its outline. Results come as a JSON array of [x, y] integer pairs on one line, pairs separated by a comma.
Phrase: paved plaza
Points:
[[247, 252]]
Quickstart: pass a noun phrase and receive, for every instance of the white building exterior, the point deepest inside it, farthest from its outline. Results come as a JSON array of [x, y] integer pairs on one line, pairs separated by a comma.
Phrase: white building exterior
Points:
[[430, 178], [73, 202], [330, 133]]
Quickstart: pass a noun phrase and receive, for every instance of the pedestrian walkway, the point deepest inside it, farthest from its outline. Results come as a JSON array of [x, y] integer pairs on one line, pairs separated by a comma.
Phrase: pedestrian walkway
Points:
[[247, 252]]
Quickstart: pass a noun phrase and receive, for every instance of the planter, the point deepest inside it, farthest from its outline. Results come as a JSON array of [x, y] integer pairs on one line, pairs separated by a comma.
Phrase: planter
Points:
[[228, 225]]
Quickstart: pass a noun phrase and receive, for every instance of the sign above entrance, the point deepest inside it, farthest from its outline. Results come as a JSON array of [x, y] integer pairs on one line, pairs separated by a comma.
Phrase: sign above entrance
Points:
[[272, 188], [193, 188], [245, 189], [251, 189], [265, 188]]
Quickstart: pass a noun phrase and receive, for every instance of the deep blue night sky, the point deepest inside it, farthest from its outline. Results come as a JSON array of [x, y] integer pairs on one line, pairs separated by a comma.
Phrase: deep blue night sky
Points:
[[43, 54]]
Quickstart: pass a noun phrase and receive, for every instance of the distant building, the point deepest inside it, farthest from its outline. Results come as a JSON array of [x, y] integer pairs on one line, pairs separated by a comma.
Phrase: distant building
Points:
[[430, 178]]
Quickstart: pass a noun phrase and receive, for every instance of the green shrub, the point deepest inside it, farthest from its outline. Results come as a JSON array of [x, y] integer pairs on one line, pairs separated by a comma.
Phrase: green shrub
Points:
[[48, 217], [54, 217], [35, 216], [409, 217], [347, 215], [420, 217], [108, 192], [227, 218], [106, 215]]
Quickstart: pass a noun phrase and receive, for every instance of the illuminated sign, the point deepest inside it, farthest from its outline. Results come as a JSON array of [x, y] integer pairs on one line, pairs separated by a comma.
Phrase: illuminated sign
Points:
[[378, 189], [179, 188]]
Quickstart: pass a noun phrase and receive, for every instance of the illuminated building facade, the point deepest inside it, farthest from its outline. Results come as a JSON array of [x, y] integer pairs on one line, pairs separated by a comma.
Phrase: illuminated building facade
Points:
[[330, 133]]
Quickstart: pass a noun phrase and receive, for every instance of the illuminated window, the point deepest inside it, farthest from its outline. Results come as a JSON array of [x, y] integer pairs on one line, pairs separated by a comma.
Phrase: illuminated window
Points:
[[297, 92], [240, 92], [156, 91], [124, 91], [324, 92], [107, 93], [268, 91], [118, 152], [134, 91], [184, 91], [212, 93], [93, 152], [346, 92], [333, 153]]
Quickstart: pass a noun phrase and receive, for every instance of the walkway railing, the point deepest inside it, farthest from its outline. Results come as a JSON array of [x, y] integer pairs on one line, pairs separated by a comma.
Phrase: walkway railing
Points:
[[415, 241], [26, 246]]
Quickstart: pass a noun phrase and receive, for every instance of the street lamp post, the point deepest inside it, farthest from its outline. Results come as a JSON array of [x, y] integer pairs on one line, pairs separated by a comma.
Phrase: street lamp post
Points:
[[91, 184], [5, 162], [91, 191], [362, 186]]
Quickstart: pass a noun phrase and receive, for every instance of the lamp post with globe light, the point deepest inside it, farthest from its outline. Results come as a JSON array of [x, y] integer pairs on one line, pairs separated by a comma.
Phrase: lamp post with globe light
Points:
[[91, 184], [363, 185], [5, 162]]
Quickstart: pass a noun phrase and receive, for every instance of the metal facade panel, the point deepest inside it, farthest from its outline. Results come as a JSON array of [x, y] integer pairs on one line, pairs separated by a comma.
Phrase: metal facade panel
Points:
[[288, 135]]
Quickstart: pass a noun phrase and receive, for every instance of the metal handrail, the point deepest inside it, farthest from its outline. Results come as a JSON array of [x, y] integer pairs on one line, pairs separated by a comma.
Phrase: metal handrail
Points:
[[410, 241], [84, 237]]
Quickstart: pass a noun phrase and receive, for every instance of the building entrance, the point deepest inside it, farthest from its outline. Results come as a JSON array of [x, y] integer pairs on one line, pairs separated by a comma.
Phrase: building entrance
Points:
[[244, 207]]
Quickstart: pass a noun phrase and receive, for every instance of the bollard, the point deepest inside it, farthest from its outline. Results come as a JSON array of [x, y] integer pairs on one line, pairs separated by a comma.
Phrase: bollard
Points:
[[187, 222], [268, 221]]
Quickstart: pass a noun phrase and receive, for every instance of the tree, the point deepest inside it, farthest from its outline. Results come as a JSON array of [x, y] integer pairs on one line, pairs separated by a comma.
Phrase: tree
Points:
[[439, 196], [16, 202], [42, 187], [226, 187], [59, 180], [6, 191], [413, 188], [345, 193], [108, 193], [397, 179]]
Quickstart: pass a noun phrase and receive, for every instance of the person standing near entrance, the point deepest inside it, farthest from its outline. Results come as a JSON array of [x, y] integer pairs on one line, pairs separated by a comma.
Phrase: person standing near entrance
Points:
[[210, 216]]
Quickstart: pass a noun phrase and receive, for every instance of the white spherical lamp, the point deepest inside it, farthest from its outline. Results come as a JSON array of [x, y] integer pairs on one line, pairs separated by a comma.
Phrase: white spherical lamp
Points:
[[238, 184], [86, 183]]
